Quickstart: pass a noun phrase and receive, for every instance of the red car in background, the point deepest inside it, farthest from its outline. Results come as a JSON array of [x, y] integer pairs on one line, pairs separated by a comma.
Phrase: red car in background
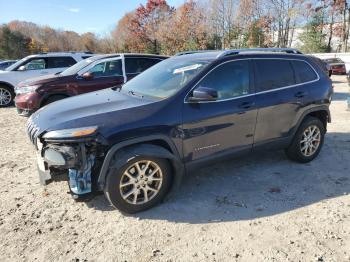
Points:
[[336, 65], [92, 74]]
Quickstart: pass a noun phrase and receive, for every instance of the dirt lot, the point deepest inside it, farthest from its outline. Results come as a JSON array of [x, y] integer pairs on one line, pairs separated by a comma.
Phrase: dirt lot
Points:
[[261, 208]]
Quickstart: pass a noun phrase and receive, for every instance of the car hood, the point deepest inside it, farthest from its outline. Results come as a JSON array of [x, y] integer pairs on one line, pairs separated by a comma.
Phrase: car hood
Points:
[[43, 80], [106, 109]]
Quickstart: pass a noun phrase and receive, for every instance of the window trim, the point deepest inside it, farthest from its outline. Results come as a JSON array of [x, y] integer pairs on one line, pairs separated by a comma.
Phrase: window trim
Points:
[[186, 101]]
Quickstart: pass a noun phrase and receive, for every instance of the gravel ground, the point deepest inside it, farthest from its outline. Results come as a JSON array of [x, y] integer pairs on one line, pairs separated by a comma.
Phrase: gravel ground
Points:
[[261, 208]]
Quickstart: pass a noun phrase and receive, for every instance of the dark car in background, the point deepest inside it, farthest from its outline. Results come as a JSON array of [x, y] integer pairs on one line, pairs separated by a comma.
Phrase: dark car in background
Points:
[[336, 65], [136, 142], [92, 74], [5, 64]]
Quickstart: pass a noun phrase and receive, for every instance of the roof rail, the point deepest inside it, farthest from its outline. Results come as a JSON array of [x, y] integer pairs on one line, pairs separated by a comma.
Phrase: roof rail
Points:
[[194, 52], [277, 50], [71, 52]]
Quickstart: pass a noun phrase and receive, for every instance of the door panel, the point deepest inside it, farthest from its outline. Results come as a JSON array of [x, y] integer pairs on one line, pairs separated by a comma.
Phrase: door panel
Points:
[[278, 99], [85, 86], [211, 128], [277, 112], [227, 124]]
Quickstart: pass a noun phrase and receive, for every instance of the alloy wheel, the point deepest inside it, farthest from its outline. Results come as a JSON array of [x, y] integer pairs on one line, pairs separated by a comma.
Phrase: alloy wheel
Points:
[[141, 182], [5, 97], [310, 140]]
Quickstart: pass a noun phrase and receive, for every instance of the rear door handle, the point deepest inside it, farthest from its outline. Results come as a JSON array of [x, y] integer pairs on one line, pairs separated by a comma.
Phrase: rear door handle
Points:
[[300, 94], [246, 105]]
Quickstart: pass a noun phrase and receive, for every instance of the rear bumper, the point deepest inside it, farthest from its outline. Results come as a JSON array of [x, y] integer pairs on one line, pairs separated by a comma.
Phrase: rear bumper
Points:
[[27, 102]]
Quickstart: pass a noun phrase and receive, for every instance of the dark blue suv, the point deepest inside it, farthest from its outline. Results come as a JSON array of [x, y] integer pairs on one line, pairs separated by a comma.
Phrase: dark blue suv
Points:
[[136, 142]]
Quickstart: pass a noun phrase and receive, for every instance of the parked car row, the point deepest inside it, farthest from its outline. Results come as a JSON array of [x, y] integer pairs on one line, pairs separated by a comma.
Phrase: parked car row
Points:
[[92, 74], [33, 66], [138, 139]]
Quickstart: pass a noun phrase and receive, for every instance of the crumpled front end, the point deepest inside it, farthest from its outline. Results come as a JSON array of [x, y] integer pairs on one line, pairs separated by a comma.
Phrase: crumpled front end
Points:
[[74, 160]]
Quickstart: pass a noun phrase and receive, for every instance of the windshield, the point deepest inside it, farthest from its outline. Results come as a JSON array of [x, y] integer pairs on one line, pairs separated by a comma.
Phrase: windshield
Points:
[[76, 68], [19, 62], [165, 78]]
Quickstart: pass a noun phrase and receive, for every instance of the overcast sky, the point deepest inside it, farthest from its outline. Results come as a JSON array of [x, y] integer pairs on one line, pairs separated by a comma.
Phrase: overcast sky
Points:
[[98, 16]]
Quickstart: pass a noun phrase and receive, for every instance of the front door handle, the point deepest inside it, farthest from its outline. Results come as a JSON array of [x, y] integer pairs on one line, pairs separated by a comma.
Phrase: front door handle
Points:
[[300, 94], [246, 105]]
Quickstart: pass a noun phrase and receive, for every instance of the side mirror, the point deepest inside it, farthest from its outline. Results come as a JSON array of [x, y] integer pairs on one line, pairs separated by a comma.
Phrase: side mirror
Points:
[[88, 76], [22, 68], [203, 94]]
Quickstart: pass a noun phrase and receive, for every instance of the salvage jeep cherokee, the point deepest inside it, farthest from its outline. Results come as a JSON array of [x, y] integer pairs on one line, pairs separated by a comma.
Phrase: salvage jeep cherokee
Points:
[[136, 142]]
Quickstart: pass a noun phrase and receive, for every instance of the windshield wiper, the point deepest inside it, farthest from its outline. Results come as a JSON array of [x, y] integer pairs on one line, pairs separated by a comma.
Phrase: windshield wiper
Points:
[[117, 88], [131, 92]]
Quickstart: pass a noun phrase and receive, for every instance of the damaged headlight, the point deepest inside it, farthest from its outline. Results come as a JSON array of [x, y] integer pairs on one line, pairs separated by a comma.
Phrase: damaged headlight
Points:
[[71, 133], [26, 89]]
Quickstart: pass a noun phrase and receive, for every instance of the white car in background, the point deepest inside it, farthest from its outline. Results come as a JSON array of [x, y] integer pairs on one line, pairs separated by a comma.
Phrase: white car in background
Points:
[[34, 66]]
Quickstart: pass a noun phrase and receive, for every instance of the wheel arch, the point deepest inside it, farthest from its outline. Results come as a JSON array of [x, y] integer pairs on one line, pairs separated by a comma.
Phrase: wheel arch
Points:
[[153, 146], [7, 84], [47, 96], [320, 112]]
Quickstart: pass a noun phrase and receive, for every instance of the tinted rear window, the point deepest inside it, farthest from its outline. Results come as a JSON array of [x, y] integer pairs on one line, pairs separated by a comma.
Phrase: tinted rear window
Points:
[[273, 73], [137, 65], [59, 62], [303, 72]]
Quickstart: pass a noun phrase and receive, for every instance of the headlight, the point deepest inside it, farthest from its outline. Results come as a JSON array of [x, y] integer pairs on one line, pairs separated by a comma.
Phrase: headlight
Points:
[[71, 133], [26, 89]]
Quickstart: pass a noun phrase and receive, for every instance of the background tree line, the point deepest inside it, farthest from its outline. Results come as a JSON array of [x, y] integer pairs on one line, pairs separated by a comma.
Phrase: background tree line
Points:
[[157, 27]]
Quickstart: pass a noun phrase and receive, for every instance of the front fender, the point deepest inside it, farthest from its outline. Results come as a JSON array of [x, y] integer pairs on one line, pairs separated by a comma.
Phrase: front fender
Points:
[[119, 155]]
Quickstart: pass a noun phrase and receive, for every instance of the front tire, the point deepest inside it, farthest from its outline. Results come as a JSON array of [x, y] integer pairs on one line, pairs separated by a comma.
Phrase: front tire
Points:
[[7, 96], [138, 185], [308, 141]]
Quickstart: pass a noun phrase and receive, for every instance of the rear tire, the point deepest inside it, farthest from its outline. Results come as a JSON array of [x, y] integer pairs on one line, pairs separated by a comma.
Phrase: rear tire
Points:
[[7, 95], [307, 141], [54, 98], [139, 184]]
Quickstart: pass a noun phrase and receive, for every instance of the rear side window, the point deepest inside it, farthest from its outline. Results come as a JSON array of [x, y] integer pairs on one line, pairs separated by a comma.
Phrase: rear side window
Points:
[[138, 65], [59, 62], [303, 72], [273, 73]]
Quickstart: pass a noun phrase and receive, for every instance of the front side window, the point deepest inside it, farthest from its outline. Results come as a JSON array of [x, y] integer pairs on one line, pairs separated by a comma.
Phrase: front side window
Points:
[[109, 68], [35, 64], [229, 79], [273, 73], [303, 72], [60, 62], [136, 65]]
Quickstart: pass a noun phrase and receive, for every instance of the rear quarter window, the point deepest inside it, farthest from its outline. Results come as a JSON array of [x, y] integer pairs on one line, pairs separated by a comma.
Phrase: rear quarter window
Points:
[[61, 62], [303, 72], [273, 73]]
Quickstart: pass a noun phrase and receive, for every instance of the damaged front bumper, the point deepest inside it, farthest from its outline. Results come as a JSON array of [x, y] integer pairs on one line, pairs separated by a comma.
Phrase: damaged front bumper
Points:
[[74, 162]]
